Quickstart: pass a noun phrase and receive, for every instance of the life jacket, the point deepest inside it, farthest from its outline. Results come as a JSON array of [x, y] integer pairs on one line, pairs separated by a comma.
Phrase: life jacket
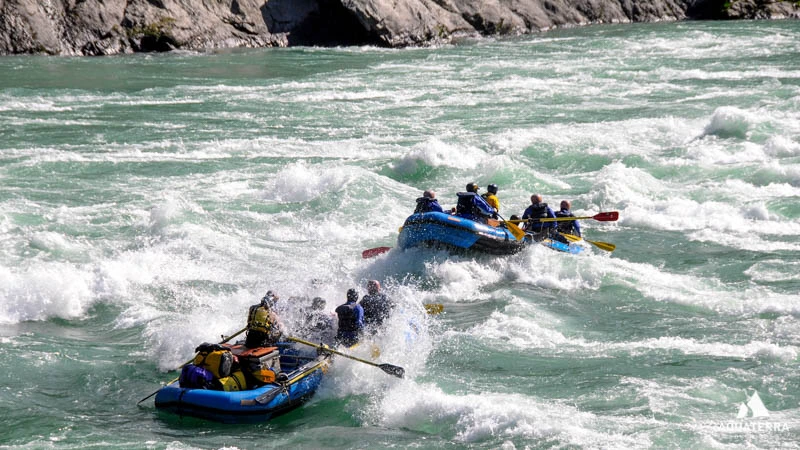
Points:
[[215, 358], [348, 318], [258, 319], [472, 206], [425, 204], [536, 212], [235, 382], [566, 226], [492, 200]]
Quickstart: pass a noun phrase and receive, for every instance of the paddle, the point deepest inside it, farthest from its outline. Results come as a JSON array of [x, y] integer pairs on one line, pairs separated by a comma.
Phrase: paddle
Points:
[[388, 368], [187, 362], [434, 308], [515, 230], [607, 246], [374, 252], [610, 216]]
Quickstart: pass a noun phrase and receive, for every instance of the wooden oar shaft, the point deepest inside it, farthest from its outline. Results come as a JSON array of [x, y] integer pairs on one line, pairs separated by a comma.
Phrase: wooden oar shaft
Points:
[[388, 368], [328, 349], [550, 219]]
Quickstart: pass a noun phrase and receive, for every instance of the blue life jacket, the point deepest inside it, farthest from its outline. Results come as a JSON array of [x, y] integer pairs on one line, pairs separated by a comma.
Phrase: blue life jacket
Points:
[[425, 204], [568, 226], [539, 211], [473, 207], [349, 317]]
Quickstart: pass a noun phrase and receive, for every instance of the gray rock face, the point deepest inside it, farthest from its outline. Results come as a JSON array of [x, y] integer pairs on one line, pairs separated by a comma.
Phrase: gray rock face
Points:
[[104, 27]]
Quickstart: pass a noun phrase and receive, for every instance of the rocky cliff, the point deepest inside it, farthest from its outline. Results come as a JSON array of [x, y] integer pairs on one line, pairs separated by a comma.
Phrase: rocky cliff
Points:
[[104, 27]]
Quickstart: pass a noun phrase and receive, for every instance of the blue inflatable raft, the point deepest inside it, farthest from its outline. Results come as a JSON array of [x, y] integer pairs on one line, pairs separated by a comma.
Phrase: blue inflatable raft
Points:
[[451, 232], [304, 372]]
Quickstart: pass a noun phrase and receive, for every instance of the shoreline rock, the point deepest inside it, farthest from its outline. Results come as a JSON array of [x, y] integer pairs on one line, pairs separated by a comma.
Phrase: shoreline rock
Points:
[[108, 27]]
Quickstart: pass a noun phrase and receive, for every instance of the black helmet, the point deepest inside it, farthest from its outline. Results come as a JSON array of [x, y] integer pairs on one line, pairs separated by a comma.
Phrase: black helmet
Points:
[[269, 298], [492, 188], [352, 295], [472, 187]]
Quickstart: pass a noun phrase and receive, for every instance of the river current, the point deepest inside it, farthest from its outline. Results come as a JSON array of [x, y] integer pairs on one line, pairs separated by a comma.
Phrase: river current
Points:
[[147, 200]]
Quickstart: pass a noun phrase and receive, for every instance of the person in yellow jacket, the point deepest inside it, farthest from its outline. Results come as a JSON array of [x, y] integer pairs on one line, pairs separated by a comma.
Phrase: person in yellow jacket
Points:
[[491, 197], [264, 328]]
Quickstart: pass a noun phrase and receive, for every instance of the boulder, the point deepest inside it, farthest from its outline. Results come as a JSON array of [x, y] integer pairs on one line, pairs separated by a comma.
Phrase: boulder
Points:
[[106, 27]]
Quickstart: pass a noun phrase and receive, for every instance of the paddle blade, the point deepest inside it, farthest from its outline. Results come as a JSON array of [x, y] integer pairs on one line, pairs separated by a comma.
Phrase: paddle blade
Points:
[[434, 308], [610, 216], [571, 237], [515, 230], [603, 245], [374, 252], [397, 371]]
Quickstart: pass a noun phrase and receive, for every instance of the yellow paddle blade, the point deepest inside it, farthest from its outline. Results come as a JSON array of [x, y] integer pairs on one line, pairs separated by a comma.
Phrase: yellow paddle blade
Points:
[[571, 237], [434, 308], [607, 246], [515, 230], [603, 245]]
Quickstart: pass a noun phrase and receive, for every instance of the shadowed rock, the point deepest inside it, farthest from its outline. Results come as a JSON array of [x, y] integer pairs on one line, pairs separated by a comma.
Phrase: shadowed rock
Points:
[[104, 27]]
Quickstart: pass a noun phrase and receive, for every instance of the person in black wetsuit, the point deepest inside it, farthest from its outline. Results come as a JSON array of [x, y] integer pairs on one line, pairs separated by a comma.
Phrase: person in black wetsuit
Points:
[[351, 320], [377, 307]]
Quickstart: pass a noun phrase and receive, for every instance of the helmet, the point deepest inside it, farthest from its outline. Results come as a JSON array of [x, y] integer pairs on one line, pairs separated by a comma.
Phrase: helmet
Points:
[[472, 187], [492, 188], [269, 298], [352, 295]]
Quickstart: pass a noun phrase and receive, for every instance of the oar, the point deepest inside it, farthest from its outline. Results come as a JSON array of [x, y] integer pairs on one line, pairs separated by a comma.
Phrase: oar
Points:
[[515, 230], [388, 368], [374, 252], [434, 308], [187, 362], [610, 216], [607, 246]]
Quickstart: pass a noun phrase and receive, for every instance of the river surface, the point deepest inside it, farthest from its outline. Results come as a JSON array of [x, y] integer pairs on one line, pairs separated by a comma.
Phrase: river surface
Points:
[[147, 200]]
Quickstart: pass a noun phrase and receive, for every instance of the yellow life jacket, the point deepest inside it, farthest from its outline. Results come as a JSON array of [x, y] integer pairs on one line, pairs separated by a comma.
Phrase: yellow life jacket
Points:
[[216, 358], [492, 200], [258, 319], [235, 382]]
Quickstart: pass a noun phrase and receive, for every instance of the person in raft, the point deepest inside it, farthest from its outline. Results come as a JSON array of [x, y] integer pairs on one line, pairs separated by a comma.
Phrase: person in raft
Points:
[[428, 203], [472, 206], [572, 227], [351, 320], [491, 197], [539, 210], [377, 306], [264, 329]]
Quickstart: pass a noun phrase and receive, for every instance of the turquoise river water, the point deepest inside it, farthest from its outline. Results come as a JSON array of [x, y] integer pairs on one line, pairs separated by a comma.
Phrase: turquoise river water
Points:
[[147, 200]]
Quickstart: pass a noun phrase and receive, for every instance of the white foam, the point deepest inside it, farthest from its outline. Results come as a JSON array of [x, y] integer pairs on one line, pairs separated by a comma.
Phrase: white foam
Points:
[[781, 146], [300, 183], [729, 122], [46, 290], [474, 417], [437, 153]]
